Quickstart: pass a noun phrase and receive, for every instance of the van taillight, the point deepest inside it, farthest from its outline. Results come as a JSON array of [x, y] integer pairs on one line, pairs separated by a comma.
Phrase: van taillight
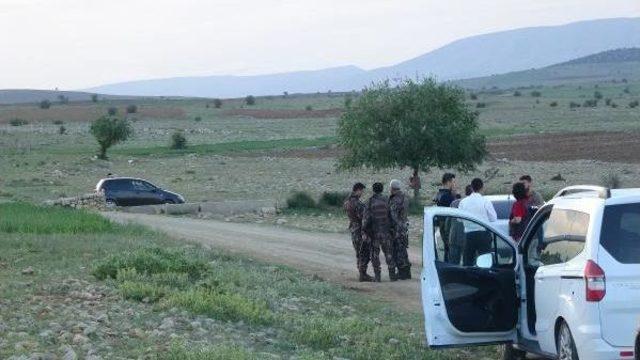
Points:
[[594, 281]]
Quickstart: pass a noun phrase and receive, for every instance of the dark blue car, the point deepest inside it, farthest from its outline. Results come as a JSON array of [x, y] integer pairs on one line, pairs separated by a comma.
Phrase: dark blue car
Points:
[[125, 191]]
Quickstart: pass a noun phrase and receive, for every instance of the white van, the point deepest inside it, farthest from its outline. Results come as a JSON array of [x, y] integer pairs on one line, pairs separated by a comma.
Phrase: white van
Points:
[[570, 289]]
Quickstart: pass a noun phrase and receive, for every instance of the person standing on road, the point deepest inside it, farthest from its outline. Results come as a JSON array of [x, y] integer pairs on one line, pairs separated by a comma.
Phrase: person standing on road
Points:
[[478, 239], [377, 226], [446, 195], [535, 199], [399, 209], [361, 244]]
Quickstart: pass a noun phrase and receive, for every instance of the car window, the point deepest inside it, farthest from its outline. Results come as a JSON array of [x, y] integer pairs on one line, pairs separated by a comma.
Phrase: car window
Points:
[[503, 208], [115, 185], [620, 234], [459, 241], [141, 185], [559, 238]]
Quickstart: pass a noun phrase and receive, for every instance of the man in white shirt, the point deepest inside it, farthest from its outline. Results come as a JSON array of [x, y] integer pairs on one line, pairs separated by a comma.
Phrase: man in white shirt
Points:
[[478, 240]]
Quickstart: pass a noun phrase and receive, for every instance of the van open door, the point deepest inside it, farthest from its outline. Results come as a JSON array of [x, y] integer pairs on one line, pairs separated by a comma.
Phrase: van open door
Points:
[[469, 293]]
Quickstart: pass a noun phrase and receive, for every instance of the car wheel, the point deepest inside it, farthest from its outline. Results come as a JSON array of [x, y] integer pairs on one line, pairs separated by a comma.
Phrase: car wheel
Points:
[[110, 203], [508, 352], [565, 345]]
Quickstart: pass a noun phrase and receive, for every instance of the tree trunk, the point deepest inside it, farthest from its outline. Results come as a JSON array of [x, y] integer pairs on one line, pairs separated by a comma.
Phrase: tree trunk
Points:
[[103, 153], [416, 184]]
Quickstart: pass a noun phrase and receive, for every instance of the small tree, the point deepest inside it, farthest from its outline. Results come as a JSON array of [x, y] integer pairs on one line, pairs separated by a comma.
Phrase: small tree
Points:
[[94, 98], [217, 103], [308, 107], [250, 100], [132, 109], [517, 93], [112, 111], [536, 93], [45, 104], [597, 95], [419, 125], [178, 140], [109, 131], [62, 130]]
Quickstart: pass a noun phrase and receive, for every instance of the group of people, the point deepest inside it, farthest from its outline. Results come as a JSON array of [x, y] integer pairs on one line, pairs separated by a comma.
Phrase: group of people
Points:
[[380, 223], [526, 201]]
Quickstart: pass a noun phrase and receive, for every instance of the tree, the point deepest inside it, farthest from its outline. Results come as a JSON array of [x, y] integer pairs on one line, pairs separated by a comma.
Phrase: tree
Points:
[[132, 109], [63, 99], [250, 100], [109, 131], [178, 140], [419, 125], [112, 111], [217, 103], [94, 98], [45, 104]]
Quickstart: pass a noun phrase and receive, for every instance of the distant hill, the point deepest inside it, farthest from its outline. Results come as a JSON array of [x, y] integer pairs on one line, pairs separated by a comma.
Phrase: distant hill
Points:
[[608, 65], [476, 56], [23, 96]]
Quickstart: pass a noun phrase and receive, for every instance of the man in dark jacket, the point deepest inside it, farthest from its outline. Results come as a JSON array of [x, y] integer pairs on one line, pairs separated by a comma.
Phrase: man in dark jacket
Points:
[[361, 244], [398, 210], [377, 226], [446, 195]]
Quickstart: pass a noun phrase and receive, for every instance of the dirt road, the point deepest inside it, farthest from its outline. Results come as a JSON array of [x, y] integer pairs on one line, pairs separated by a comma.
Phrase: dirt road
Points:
[[329, 256]]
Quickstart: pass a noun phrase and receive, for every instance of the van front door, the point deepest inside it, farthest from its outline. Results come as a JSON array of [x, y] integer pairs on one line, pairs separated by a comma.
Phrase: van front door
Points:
[[469, 293]]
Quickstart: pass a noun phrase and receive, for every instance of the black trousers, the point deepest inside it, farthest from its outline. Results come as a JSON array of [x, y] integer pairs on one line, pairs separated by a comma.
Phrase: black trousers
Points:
[[477, 243]]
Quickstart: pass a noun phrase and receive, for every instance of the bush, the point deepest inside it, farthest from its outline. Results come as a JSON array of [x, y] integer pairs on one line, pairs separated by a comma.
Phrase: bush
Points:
[[45, 104], [250, 100], [308, 108], [607, 101], [197, 119], [517, 93], [536, 93], [132, 109], [473, 96], [590, 103], [58, 122], [178, 140], [481, 105], [94, 98], [217, 103], [634, 104], [332, 199], [347, 101], [597, 95], [553, 104], [301, 200], [626, 90], [574, 105], [18, 122], [112, 111], [109, 131], [62, 130]]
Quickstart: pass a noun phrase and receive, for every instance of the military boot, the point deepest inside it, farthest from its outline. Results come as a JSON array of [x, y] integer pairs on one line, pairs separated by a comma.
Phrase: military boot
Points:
[[377, 277], [364, 277], [392, 275]]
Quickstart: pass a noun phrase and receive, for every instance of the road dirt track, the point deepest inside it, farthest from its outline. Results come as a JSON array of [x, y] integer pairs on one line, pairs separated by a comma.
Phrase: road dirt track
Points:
[[329, 256]]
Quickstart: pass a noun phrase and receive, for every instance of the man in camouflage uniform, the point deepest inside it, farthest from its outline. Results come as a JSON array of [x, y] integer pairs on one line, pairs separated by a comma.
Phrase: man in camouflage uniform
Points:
[[399, 208], [361, 244], [377, 226]]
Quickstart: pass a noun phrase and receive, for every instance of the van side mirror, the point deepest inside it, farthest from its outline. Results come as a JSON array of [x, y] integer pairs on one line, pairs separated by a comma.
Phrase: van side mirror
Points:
[[485, 261]]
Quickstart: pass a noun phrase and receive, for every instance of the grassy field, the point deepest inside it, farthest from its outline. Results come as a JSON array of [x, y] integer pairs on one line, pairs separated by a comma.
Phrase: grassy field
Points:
[[103, 290]]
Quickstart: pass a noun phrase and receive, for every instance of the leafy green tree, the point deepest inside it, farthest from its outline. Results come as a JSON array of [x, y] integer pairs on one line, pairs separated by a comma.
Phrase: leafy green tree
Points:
[[420, 125], [132, 109], [94, 98], [112, 111], [109, 131], [178, 140], [217, 103], [250, 100], [45, 104]]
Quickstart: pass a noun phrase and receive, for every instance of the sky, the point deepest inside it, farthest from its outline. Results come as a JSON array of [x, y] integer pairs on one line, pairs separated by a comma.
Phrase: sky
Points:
[[75, 44]]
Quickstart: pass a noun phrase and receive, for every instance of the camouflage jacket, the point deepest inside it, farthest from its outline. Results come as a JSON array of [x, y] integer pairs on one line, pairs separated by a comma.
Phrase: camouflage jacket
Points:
[[355, 210], [399, 209], [376, 215]]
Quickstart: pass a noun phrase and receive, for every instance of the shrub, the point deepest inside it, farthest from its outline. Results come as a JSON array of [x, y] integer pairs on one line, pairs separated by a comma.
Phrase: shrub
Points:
[[626, 90], [614, 105], [634, 104], [301, 200], [112, 111], [178, 140], [481, 105], [140, 291], [536, 93], [597, 95], [63, 99], [574, 105], [607, 101], [197, 119], [132, 109], [332, 199], [45, 104], [473, 96], [308, 108], [517, 93], [94, 98], [62, 130], [217, 103], [58, 122], [109, 131], [553, 104], [18, 122], [348, 100], [590, 103], [250, 100]]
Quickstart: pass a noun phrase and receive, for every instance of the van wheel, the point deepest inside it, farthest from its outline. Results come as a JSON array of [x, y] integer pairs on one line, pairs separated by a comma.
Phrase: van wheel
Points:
[[508, 352], [565, 345]]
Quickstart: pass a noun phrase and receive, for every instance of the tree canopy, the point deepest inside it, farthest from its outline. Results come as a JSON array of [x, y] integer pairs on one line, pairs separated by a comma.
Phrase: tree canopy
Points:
[[109, 131], [420, 125]]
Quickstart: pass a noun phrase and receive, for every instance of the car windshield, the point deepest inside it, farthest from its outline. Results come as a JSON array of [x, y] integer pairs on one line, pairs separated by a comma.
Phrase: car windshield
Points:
[[503, 208]]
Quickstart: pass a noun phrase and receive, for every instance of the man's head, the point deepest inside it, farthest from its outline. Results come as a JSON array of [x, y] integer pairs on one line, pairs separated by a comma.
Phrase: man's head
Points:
[[395, 185], [377, 188], [477, 185], [449, 180], [468, 190], [526, 180], [358, 188], [519, 191]]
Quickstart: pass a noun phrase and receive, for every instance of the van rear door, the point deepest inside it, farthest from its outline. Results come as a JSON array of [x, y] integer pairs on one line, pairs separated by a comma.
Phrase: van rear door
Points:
[[619, 257]]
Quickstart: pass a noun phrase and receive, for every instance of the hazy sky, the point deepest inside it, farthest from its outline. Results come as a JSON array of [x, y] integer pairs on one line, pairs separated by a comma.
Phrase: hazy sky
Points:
[[73, 44]]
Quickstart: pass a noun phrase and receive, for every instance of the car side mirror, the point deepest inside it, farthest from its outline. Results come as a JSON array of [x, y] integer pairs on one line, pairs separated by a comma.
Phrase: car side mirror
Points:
[[485, 261]]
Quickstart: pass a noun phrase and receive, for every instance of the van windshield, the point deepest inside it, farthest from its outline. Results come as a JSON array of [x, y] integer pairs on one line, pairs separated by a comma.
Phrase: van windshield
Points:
[[620, 234]]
